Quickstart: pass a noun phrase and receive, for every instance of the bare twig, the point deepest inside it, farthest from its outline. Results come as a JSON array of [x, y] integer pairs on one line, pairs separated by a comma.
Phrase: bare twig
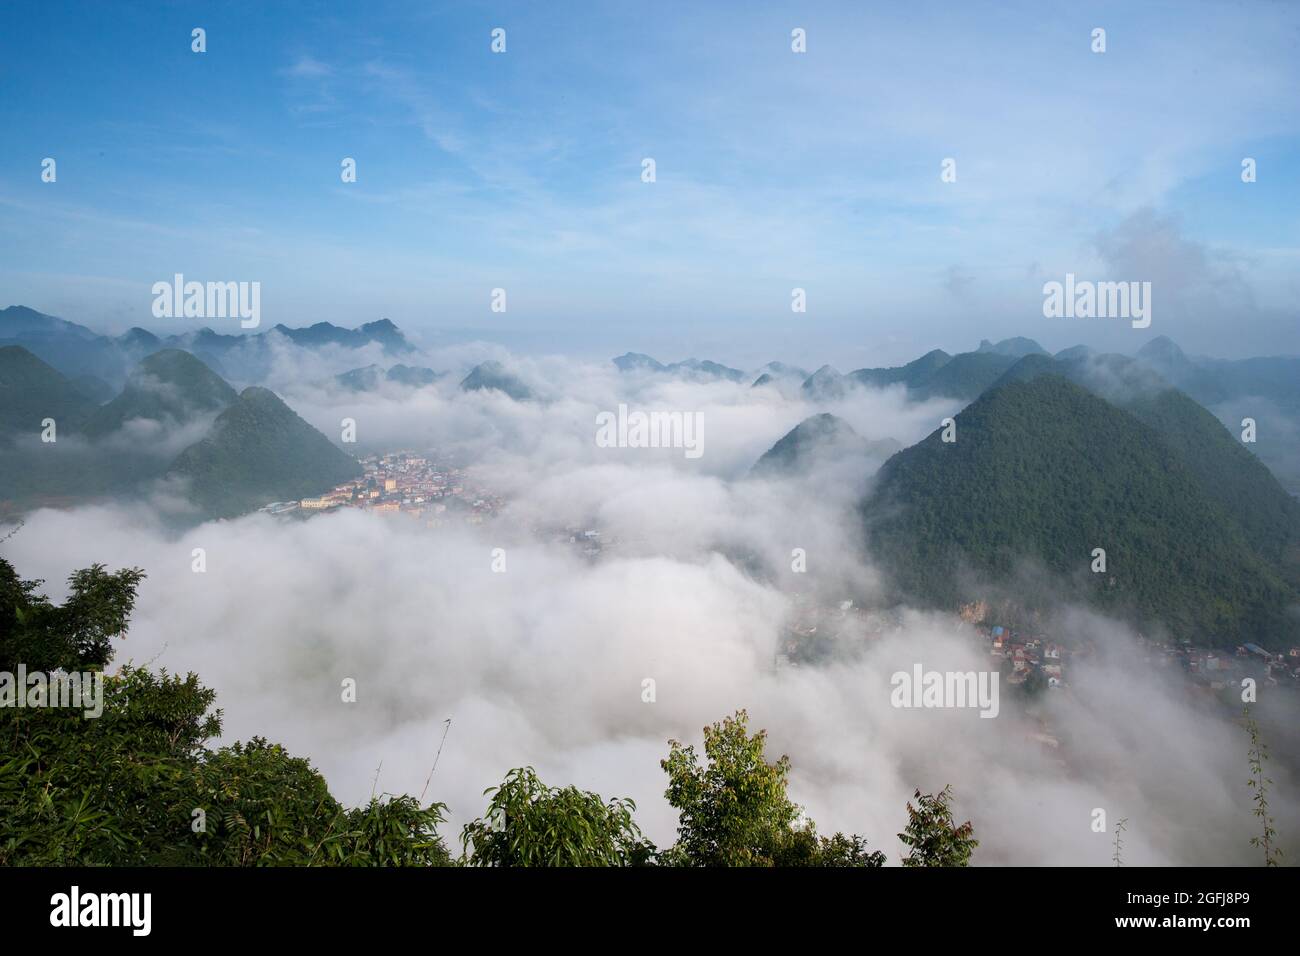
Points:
[[435, 760]]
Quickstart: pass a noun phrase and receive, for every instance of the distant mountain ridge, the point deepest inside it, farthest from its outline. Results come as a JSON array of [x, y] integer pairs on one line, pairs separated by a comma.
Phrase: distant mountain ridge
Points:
[[256, 448], [691, 368], [936, 374], [75, 350], [368, 379]]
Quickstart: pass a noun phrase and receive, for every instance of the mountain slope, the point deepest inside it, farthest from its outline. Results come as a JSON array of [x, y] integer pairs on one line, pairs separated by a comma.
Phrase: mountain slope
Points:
[[31, 390], [965, 376], [259, 450], [1226, 471], [1045, 470]]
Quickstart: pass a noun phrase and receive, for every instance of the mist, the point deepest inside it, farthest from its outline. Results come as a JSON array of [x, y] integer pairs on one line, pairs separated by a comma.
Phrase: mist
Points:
[[544, 664]]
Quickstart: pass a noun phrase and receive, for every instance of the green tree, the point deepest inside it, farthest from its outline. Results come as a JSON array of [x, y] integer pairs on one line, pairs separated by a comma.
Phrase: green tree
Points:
[[530, 824], [932, 837], [73, 636], [735, 811]]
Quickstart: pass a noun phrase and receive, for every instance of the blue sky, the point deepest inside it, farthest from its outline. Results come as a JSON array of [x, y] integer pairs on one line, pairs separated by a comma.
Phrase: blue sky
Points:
[[774, 170]]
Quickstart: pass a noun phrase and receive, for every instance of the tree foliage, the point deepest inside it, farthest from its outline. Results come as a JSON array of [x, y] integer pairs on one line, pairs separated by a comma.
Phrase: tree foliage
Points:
[[1259, 784], [530, 824], [73, 636], [735, 812], [931, 836]]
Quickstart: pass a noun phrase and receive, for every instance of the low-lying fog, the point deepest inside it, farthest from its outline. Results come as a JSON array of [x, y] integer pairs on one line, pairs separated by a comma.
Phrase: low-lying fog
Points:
[[544, 664]]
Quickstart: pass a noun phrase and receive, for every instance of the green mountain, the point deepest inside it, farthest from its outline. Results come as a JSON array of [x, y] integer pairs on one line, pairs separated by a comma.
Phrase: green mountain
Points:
[[31, 391], [815, 442], [803, 446], [1225, 470], [170, 386], [493, 375], [259, 450], [824, 385], [94, 388], [1043, 469], [1266, 389], [34, 472], [138, 339]]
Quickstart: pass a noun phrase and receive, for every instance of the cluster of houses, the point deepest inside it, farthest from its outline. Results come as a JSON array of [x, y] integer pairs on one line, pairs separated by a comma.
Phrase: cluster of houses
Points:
[[1027, 655], [1207, 669], [1020, 656], [1218, 670], [403, 482]]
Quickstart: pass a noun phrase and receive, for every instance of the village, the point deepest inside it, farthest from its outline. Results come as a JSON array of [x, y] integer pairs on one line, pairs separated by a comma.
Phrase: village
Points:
[[430, 487]]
